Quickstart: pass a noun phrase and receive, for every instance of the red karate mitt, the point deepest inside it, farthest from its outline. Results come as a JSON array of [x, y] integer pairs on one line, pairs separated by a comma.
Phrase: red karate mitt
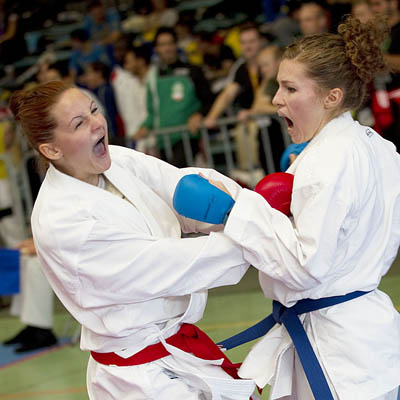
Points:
[[277, 189]]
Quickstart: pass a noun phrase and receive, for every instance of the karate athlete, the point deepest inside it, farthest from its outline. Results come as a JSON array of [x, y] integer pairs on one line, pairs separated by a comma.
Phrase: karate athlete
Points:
[[342, 237], [110, 244]]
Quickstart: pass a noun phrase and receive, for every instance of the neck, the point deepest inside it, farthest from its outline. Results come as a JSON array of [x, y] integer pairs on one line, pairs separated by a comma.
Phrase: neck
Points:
[[143, 73], [92, 179], [334, 114], [252, 63], [170, 61]]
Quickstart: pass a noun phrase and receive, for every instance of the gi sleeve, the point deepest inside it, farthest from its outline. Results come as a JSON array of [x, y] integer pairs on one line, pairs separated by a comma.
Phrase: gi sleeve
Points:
[[116, 267], [298, 251], [162, 178]]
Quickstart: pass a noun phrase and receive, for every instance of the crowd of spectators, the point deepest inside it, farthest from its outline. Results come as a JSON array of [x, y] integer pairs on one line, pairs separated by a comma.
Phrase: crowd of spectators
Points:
[[152, 64], [115, 48]]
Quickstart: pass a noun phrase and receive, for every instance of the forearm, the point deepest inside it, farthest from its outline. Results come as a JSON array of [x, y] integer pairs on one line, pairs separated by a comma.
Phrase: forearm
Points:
[[220, 105], [263, 105], [186, 266]]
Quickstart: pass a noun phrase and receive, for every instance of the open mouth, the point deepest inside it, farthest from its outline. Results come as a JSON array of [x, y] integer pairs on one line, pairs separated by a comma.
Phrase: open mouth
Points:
[[289, 122], [100, 147]]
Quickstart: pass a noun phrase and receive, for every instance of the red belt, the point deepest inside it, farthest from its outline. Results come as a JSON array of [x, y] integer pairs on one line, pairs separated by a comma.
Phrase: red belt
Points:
[[189, 338]]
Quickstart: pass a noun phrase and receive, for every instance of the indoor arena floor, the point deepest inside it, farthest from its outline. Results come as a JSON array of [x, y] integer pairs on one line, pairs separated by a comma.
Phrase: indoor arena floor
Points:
[[59, 373]]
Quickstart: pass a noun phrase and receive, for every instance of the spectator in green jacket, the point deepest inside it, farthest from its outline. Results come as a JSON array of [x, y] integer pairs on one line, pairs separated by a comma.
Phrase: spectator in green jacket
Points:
[[177, 93]]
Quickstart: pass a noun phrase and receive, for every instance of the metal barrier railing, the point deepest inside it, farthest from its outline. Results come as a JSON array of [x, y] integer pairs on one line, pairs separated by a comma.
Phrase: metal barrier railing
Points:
[[221, 137], [20, 193], [19, 184], [219, 140]]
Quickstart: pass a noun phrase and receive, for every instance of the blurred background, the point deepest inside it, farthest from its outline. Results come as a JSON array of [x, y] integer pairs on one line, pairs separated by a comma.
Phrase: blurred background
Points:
[[231, 51]]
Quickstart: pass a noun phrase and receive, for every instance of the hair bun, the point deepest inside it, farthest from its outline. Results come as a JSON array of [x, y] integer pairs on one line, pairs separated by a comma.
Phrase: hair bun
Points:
[[363, 45]]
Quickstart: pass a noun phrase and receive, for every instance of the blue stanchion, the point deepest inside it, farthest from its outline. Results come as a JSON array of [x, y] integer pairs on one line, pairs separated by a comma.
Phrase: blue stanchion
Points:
[[9, 271]]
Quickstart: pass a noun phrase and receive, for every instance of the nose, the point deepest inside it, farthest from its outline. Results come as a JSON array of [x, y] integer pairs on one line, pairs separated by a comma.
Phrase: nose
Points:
[[277, 100], [96, 121]]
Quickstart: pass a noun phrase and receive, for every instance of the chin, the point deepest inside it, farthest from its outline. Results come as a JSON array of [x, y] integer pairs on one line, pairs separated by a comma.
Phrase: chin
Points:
[[298, 137], [102, 166], [297, 140], [106, 165]]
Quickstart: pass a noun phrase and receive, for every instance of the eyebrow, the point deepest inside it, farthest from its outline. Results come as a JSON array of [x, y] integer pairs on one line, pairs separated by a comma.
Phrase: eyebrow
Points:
[[286, 82], [80, 115]]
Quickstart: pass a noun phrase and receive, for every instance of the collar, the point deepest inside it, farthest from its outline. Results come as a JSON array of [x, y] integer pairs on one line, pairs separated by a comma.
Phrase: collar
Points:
[[333, 127], [165, 69]]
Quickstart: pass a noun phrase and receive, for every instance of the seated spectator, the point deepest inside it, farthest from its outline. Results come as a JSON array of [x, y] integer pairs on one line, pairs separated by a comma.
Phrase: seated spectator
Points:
[[285, 28], [103, 25], [187, 41], [84, 53], [160, 15], [120, 48], [58, 71], [268, 60], [137, 61], [361, 10], [97, 79], [129, 85], [136, 19], [245, 80], [245, 77], [177, 94], [218, 59], [313, 17]]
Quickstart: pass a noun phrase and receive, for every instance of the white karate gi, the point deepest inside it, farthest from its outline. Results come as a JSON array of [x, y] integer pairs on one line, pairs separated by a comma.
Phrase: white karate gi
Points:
[[35, 303], [343, 237], [124, 272]]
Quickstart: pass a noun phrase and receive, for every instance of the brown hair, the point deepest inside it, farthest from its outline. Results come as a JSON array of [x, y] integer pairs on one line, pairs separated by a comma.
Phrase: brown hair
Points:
[[348, 60], [249, 26], [32, 108]]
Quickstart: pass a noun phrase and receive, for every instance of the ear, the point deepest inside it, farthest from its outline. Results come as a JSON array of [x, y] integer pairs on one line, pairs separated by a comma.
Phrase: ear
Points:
[[50, 151], [333, 98]]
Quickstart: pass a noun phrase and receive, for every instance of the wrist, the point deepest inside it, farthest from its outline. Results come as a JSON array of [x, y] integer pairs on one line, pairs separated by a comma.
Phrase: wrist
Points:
[[227, 216]]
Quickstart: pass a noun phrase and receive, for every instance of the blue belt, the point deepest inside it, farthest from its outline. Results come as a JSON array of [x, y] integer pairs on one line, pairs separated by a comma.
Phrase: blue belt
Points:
[[288, 316]]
